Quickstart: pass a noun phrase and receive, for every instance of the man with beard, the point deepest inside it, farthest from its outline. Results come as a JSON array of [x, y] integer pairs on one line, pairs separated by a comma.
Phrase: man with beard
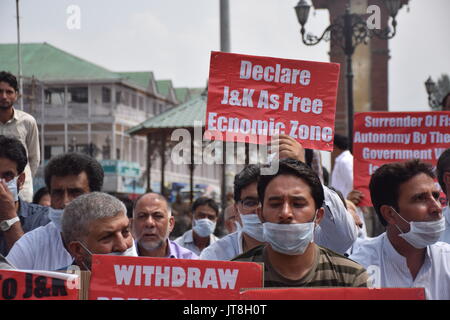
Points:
[[20, 125], [152, 224]]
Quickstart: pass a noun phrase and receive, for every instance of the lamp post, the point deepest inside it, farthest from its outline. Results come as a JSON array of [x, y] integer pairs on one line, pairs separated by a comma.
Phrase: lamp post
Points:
[[348, 31]]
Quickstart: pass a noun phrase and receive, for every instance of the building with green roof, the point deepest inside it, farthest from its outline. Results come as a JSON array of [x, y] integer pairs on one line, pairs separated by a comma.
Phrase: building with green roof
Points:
[[81, 106]]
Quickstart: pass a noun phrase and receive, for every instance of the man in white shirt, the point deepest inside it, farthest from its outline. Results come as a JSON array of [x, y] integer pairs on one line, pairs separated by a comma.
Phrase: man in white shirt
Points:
[[67, 176], [406, 200], [205, 212], [21, 125], [337, 230], [443, 173], [342, 174]]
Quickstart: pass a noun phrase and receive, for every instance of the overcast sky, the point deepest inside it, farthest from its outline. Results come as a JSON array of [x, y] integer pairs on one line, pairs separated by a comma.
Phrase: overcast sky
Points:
[[173, 38]]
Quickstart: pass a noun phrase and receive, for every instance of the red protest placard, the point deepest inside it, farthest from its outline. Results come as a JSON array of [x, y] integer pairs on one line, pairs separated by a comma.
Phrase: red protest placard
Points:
[[335, 294], [251, 97], [384, 137], [37, 285], [132, 278]]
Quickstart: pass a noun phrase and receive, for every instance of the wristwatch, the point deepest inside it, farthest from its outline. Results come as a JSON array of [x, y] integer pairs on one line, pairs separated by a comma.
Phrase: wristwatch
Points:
[[5, 225]]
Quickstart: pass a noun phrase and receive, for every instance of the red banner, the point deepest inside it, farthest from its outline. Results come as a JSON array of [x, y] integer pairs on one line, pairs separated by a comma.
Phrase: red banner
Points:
[[335, 294], [384, 137], [135, 278], [253, 98], [37, 285]]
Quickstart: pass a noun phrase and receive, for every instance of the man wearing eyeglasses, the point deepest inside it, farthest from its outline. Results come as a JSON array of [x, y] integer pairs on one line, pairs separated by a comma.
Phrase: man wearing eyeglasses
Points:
[[336, 232]]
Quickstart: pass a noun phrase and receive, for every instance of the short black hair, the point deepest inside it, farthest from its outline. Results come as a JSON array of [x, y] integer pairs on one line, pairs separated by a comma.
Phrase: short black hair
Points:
[[12, 149], [247, 176], [340, 141], [299, 169], [205, 201], [386, 181], [73, 164], [443, 165], [39, 194], [10, 79]]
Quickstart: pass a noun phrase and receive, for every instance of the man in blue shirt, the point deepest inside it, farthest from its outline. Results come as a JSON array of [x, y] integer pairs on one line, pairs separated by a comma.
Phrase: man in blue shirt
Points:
[[16, 215]]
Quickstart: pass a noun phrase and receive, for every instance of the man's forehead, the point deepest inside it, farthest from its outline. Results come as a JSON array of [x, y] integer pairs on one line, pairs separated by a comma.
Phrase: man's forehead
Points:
[[69, 181], [6, 85], [109, 224], [7, 165], [151, 202], [250, 190], [418, 184]]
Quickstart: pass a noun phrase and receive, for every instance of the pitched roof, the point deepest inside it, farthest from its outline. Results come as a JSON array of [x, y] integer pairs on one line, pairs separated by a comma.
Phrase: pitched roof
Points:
[[139, 78], [181, 116], [47, 62]]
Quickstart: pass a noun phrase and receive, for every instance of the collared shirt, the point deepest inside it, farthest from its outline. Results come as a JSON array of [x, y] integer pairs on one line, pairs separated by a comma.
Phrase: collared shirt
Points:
[[224, 249], [391, 270], [187, 241], [445, 237], [23, 126], [175, 251], [31, 216], [342, 175], [40, 249]]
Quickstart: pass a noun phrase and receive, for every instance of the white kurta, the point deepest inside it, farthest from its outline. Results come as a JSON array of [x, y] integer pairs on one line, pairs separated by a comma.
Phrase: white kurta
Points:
[[391, 271]]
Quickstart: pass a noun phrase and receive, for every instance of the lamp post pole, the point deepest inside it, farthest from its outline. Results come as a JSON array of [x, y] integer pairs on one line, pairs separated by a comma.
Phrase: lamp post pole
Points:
[[347, 31]]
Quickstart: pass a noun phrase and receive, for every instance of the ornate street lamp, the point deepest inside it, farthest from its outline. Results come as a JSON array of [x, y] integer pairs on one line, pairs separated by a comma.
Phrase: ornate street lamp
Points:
[[348, 31]]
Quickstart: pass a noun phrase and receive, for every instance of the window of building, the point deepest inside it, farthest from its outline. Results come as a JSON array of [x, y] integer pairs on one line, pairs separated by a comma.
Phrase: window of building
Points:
[[106, 95], [78, 94], [54, 96], [119, 97], [51, 151]]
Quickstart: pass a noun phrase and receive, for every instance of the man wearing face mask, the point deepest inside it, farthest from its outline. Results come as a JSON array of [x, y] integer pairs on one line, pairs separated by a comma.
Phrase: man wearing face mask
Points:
[[336, 232], [16, 215], [67, 177], [443, 173], [291, 208], [406, 200], [204, 218], [152, 224], [96, 223]]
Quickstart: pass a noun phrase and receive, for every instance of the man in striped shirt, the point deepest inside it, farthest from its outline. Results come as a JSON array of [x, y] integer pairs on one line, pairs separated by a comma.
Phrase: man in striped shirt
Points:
[[291, 208]]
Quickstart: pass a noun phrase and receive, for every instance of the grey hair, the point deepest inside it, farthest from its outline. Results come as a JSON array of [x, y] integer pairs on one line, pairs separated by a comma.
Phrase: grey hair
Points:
[[85, 209]]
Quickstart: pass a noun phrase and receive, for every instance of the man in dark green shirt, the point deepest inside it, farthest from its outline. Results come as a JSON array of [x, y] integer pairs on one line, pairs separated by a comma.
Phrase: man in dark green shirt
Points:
[[291, 208]]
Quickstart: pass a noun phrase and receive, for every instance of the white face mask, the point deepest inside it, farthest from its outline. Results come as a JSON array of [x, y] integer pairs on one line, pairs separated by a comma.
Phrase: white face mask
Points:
[[12, 187], [55, 215], [86, 262], [253, 226], [130, 252], [291, 239], [422, 233], [203, 227]]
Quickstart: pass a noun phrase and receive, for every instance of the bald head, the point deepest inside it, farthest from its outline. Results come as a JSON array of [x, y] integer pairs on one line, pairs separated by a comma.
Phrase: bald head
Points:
[[152, 197]]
